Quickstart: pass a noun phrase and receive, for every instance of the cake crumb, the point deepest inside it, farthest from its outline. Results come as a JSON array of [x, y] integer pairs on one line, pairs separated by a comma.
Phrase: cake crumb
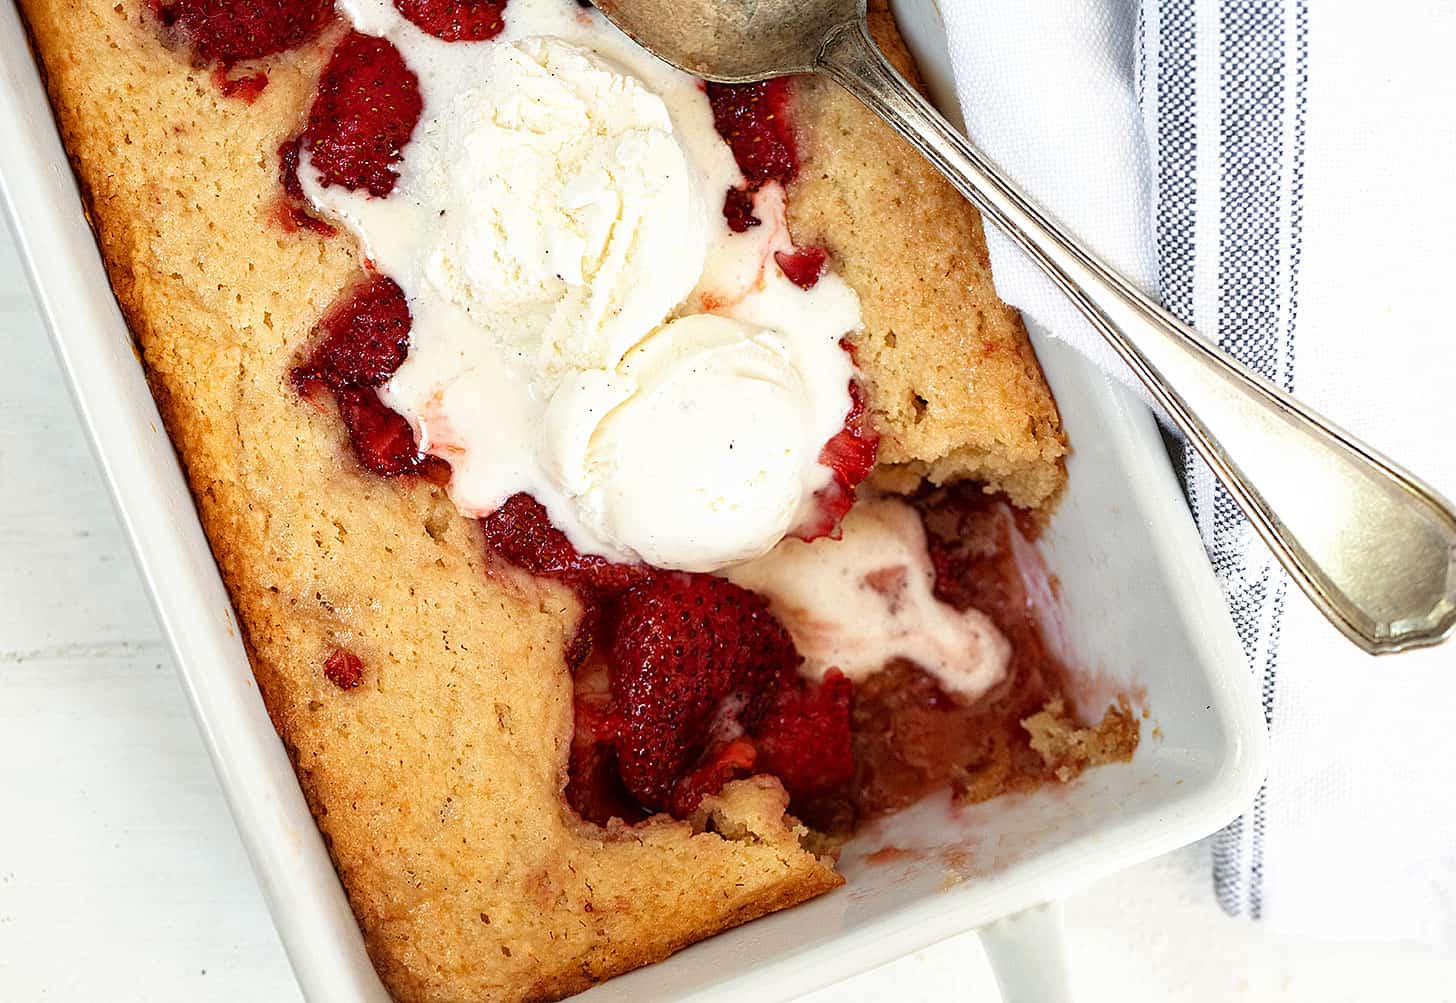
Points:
[[1068, 749]]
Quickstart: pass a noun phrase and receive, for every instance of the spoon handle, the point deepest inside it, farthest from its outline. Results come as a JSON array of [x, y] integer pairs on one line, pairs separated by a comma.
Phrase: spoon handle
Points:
[[1371, 545]]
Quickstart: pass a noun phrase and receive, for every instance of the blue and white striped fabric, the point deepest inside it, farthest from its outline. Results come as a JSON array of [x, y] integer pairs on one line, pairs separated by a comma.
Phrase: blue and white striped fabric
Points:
[[1254, 145], [1281, 174]]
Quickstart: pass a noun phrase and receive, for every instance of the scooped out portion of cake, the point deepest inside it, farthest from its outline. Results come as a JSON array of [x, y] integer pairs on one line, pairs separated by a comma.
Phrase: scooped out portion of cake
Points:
[[625, 484]]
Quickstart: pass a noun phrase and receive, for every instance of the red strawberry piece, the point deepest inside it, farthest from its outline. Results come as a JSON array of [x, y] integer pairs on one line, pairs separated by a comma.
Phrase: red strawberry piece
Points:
[[294, 211], [851, 456], [722, 763], [288, 168], [521, 531], [803, 738], [584, 639], [344, 669], [456, 20], [593, 787], [687, 651], [804, 266], [245, 88], [228, 31], [382, 439], [364, 340], [738, 210], [851, 453], [754, 120], [366, 108]]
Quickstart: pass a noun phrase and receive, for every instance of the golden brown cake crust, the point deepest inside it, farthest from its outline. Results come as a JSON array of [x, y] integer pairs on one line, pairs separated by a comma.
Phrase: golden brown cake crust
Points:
[[954, 386], [437, 783]]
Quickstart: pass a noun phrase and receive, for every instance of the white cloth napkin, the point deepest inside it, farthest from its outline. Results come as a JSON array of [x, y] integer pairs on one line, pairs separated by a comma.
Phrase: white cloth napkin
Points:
[[1282, 173]]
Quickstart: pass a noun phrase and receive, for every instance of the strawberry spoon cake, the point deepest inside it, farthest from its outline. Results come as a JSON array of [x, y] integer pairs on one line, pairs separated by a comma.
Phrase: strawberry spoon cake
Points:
[[626, 484]]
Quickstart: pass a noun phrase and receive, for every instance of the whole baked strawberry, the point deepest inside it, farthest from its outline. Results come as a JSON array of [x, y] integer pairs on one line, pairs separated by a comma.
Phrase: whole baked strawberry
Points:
[[694, 661], [367, 106], [364, 339]]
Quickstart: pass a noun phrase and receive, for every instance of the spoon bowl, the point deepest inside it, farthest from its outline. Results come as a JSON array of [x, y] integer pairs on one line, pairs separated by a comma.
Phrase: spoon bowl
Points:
[[734, 41]]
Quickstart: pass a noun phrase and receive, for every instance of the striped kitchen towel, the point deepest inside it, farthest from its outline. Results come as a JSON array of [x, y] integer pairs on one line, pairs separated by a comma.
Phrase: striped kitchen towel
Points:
[[1281, 174]]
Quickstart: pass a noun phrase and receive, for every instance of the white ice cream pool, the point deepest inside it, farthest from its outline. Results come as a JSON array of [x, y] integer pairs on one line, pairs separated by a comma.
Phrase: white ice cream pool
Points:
[[862, 601]]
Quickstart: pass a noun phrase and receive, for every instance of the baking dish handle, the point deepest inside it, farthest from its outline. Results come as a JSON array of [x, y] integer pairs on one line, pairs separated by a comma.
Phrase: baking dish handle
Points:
[[1028, 953]]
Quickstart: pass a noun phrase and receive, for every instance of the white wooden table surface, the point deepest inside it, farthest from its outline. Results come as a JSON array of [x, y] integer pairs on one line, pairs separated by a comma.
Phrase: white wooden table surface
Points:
[[122, 879]]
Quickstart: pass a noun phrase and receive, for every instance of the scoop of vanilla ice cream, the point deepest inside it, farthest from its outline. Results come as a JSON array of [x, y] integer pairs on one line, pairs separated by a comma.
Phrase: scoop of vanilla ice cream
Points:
[[585, 327], [570, 219], [706, 438]]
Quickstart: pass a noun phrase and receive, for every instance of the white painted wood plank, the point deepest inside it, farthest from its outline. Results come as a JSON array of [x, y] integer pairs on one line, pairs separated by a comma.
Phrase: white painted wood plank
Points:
[[67, 579], [121, 876]]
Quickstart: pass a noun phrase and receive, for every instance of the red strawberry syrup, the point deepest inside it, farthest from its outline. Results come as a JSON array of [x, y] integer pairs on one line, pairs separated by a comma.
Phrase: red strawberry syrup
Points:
[[910, 737], [293, 212]]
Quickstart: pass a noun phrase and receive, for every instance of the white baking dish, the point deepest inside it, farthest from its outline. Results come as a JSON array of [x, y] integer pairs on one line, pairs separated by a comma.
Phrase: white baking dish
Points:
[[1142, 611]]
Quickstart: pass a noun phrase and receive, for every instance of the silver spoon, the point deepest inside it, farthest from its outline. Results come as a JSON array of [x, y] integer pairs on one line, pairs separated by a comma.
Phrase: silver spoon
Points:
[[1370, 544]]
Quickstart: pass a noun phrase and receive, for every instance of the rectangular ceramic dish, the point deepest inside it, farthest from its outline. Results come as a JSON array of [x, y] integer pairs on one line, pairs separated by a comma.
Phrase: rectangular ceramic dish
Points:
[[1141, 609]]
